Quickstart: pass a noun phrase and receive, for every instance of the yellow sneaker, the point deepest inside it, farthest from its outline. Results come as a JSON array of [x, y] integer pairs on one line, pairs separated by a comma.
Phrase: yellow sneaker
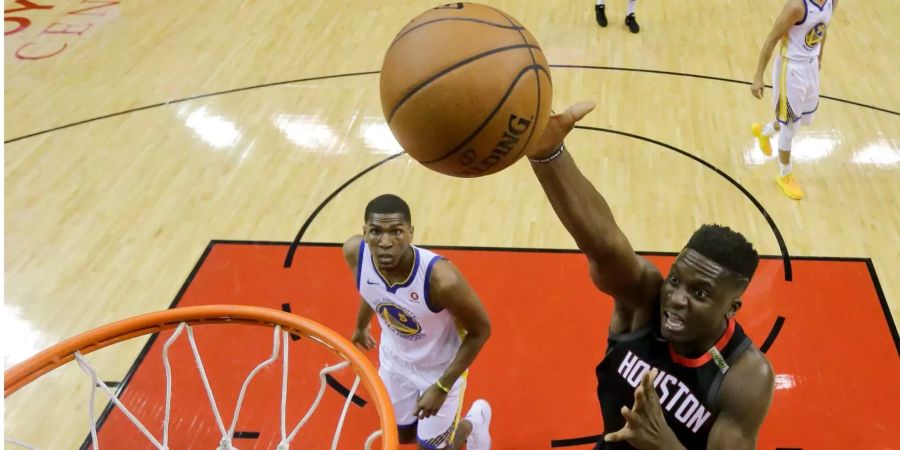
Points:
[[764, 143], [790, 186]]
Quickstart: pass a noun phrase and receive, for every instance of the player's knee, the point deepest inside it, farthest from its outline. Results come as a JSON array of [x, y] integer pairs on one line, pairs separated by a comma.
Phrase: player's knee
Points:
[[786, 137]]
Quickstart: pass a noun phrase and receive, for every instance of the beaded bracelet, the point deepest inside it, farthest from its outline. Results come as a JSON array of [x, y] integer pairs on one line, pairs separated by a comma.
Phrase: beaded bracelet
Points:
[[552, 156]]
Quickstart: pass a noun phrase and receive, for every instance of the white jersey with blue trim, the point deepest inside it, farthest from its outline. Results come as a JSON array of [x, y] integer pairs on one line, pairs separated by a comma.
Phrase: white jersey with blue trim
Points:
[[413, 333], [804, 40]]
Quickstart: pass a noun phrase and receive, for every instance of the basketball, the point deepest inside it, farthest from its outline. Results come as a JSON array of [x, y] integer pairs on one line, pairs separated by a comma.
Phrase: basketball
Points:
[[465, 88]]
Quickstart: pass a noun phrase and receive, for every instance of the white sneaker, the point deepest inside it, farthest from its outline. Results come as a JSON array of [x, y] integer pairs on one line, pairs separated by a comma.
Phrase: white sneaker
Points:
[[479, 416]]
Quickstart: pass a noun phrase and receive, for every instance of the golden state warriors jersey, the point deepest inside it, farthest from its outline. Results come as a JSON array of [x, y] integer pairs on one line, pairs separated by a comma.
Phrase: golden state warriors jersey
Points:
[[803, 40], [413, 332]]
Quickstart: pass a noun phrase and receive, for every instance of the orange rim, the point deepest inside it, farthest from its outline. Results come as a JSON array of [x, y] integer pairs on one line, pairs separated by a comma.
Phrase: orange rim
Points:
[[61, 353]]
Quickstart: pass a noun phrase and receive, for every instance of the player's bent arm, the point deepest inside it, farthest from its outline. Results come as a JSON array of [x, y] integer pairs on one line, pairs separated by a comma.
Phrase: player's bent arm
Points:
[[449, 289], [351, 257], [792, 13], [615, 268], [745, 399]]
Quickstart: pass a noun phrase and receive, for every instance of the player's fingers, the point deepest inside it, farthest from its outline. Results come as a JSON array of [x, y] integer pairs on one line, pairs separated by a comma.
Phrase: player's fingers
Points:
[[647, 384], [622, 435], [648, 378], [632, 418], [639, 398], [577, 111]]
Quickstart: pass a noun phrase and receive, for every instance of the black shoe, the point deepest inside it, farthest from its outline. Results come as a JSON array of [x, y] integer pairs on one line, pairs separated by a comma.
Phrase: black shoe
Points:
[[600, 12], [630, 21]]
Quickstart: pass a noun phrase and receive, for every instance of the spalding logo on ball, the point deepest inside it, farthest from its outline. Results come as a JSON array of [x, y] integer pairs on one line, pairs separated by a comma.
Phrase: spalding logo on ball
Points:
[[465, 88]]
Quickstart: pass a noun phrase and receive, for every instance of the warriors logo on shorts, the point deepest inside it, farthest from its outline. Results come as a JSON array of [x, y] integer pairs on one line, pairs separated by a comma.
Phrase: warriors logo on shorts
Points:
[[400, 320]]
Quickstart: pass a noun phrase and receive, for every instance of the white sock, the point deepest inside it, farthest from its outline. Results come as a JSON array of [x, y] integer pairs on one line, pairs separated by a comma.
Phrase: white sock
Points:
[[785, 168], [601, 2], [631, 6], [769, 130]]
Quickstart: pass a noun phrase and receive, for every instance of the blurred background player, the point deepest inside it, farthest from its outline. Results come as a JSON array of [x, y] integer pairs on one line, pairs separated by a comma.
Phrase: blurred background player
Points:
[[630, 20], [801, 28]]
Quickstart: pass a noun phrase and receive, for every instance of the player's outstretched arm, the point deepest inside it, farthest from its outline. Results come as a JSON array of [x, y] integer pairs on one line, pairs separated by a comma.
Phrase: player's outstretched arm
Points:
[[615, 268]]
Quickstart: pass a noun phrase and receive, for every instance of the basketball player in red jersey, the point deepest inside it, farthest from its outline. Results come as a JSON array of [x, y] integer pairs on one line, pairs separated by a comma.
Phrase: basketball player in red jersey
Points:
[[678, 372]]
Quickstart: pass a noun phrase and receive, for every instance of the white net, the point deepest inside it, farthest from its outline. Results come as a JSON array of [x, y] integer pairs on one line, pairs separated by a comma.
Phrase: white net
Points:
[[279, 342]]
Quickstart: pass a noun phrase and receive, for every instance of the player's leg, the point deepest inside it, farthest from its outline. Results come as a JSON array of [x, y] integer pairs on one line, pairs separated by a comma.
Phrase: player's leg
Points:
[[478, 421], [808, 102], [446, 430], [630, 19], [798, 92], [811, 100], [404, 395], [786, 179], [438, 431], [600, 12], [407, 433]]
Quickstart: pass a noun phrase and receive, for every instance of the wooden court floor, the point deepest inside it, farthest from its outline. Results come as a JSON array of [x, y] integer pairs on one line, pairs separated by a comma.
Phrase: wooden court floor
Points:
[[137, 133]]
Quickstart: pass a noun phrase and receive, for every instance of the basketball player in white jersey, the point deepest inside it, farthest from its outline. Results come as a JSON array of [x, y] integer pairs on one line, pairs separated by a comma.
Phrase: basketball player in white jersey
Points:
[[432, 328], [630, 20], [801, 28]]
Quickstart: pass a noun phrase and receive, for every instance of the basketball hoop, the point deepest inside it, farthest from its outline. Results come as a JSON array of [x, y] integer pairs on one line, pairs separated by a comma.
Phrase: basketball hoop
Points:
[[182, 319]]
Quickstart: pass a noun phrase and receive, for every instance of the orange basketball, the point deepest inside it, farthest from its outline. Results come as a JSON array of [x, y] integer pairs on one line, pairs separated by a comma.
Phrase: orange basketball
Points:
[[465, 88]]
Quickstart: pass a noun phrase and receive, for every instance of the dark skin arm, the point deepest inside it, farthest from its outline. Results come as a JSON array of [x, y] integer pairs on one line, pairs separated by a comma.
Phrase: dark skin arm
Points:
[[745, 399], [362, 335], [614, 266], [450, 290]]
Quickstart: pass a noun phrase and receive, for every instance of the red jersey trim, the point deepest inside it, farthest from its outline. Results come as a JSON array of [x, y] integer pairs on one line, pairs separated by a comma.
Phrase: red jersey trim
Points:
[[706, 357]]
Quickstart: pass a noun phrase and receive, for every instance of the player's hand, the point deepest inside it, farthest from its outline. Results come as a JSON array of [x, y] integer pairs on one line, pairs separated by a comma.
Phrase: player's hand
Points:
[[757, 88], [430, 402], [557, 128], [645, 426], [363, 339]]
